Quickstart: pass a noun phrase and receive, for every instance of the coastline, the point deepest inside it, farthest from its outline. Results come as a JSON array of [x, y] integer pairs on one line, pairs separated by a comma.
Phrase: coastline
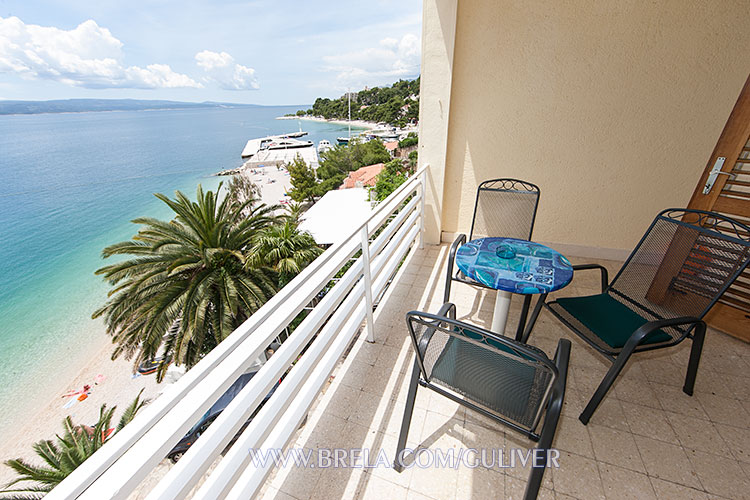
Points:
[[45, 413], [361, 124], [80, 350]]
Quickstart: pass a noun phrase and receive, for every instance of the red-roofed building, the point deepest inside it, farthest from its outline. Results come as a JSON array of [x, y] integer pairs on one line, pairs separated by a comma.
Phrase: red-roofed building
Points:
[[364, 176], [391, 146]]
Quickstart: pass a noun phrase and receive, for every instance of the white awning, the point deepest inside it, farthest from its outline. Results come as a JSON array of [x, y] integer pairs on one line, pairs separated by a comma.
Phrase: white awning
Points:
[[333, 217]]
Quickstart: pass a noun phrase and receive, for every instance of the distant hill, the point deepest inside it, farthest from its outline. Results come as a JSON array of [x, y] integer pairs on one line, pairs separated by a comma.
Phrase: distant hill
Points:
[[81, 105], [397, 104]]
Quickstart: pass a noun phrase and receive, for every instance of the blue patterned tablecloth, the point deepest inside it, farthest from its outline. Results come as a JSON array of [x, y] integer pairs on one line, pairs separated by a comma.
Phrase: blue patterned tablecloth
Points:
[[516, 266]]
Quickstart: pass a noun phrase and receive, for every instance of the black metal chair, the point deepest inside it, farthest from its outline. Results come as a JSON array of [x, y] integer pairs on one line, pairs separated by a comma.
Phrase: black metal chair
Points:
[[504, 208], [681, 267], [510, 382]]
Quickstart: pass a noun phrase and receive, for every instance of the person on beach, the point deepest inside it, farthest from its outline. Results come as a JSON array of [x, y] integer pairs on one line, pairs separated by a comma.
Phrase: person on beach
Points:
[[86, 389]]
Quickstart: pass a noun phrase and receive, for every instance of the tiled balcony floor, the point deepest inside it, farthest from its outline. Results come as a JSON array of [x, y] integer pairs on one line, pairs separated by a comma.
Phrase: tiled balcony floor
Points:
[[647, 440]]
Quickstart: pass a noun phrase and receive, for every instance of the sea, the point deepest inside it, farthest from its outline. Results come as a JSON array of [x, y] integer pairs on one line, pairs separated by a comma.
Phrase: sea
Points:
[[70, 184]]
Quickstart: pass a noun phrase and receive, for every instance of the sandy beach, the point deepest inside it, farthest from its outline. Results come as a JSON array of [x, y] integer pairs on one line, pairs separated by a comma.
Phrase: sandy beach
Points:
[[272, 181], [111, 382], [359, 124], [354, 123]]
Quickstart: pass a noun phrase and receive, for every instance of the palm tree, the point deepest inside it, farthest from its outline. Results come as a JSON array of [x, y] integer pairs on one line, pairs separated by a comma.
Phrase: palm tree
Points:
[[194, 269], [294, 211], [284, 248], [77, 444]]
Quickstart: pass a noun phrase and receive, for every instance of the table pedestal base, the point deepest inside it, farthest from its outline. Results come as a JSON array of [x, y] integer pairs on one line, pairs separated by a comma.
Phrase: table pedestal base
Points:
[[500, 317]]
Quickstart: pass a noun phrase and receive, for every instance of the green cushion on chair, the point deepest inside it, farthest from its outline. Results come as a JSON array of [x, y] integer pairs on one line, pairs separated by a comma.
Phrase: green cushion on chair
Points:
[[609, 319]]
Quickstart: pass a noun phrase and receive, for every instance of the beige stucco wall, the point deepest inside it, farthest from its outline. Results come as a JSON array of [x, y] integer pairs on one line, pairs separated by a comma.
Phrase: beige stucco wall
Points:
[[438, 37], [611, 107]]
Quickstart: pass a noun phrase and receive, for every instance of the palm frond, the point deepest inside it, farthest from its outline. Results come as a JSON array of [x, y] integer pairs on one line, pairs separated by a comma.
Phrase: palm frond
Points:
[[129, 414]]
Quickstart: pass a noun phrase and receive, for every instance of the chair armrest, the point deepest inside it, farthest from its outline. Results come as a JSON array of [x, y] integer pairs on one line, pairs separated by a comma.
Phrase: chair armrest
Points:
[[448, 310], [460, 240], [604, 272], [641, 333]]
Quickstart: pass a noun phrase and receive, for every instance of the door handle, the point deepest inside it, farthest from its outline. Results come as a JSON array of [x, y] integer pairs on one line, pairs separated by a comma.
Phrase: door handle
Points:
[[715, 172]]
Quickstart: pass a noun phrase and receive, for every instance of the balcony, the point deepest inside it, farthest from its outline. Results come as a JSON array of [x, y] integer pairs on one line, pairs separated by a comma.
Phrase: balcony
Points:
[[613, 112], [647, 440], [342, 391]]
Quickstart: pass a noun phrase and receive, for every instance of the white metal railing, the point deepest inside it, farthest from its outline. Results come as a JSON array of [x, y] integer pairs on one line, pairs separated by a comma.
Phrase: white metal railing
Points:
[[117, 469]]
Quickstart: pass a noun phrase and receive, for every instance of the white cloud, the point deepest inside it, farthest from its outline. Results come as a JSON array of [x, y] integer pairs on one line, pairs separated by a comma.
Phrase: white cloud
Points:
[[221, 69], [86, 56], [391, 59]]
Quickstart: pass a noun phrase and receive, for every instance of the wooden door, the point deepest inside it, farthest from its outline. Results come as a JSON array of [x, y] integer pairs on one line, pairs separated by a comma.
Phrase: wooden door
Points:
[[730, 195]]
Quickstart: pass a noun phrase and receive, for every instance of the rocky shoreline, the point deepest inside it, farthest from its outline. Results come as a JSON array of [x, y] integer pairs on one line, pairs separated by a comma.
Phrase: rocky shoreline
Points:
[[229, 171]]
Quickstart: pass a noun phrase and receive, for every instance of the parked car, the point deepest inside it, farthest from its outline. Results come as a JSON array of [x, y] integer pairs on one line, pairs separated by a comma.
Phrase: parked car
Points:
[[208, 418]]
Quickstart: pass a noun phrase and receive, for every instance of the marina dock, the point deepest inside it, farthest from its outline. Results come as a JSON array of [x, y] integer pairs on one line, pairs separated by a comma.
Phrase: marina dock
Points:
[[278, 150]]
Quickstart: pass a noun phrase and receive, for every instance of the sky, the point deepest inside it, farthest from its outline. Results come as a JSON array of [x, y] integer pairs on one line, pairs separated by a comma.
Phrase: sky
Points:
[[257, 52]]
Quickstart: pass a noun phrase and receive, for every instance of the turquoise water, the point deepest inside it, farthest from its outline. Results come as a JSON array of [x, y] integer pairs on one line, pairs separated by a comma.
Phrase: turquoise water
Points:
[[69, 185]]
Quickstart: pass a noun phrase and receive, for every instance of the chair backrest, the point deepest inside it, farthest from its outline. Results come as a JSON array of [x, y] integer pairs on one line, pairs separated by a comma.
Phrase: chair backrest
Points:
[[505, 207], [683, 264], [511, 380]]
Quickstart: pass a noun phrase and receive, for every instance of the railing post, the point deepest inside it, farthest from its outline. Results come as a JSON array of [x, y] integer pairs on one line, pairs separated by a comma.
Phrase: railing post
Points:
[[422, 190], [368, 283]]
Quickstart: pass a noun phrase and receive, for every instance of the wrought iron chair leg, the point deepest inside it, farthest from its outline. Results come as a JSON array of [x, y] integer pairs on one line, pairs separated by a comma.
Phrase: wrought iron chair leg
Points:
[[534, 483], [544, 448], [534, 316], [522, 319], [695, 357], [398, 463], [606, 383]]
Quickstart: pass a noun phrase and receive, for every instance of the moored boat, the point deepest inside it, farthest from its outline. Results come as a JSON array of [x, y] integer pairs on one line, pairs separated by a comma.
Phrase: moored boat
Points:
[[285, 143]]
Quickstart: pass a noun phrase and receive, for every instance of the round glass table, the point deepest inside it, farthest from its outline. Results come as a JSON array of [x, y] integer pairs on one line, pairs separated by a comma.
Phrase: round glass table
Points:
[[513, 266]]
